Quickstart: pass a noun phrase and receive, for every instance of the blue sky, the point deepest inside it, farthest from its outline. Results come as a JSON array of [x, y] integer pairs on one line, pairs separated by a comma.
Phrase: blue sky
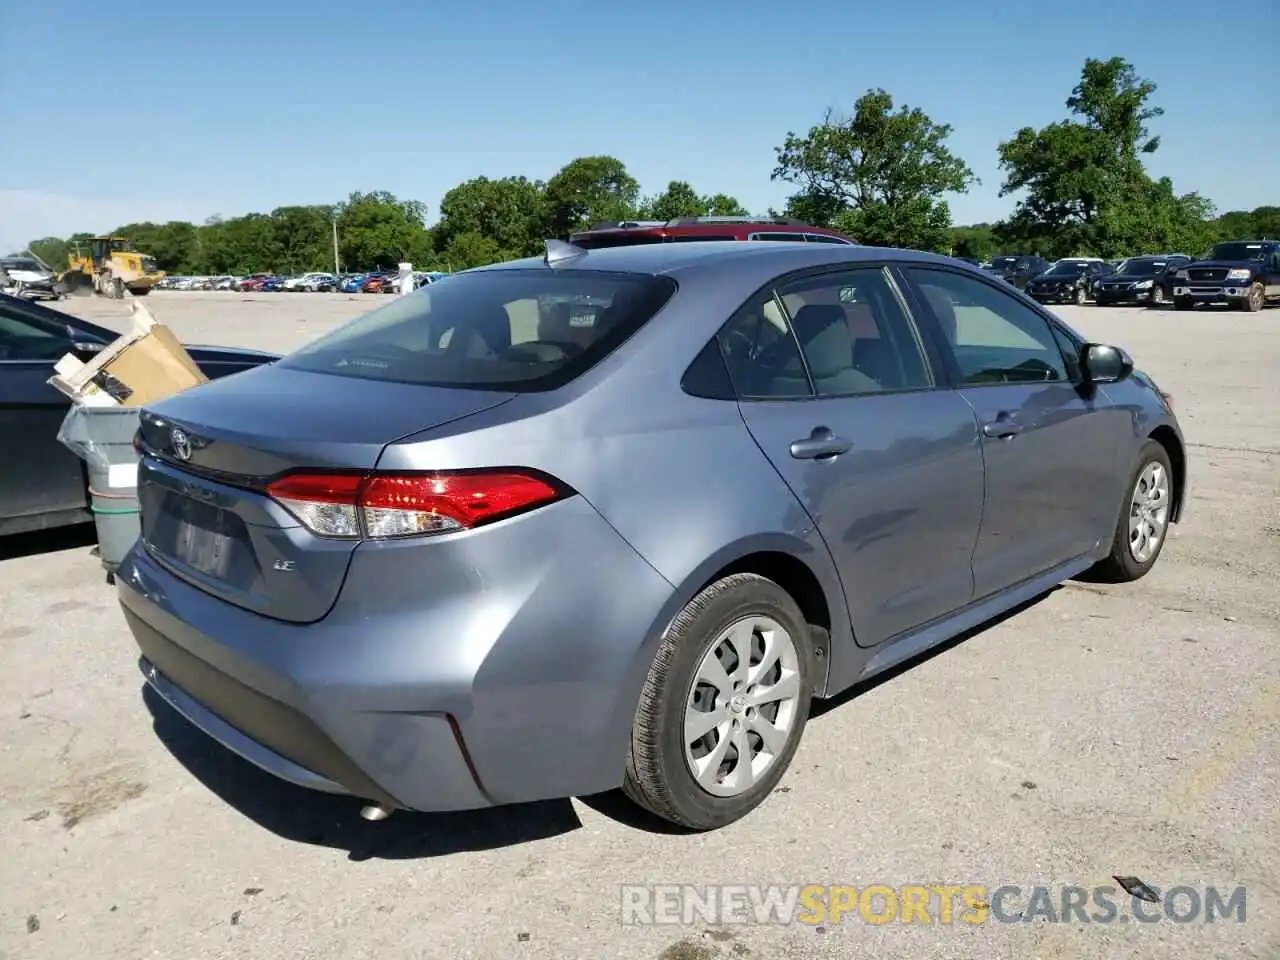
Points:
[[198, 110]]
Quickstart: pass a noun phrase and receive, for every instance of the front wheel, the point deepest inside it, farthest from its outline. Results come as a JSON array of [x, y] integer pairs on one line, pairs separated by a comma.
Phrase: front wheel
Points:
[[1255, 300], [1081, 296], [1144, 520], [724, 705], [1157, 296]]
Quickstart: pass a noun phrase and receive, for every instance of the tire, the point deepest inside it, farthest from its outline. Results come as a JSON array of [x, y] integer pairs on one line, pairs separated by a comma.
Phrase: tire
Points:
[[1256, 299], [1183, 303], [1124, 563], [659, 777], [1157, 296], [1081, 296]]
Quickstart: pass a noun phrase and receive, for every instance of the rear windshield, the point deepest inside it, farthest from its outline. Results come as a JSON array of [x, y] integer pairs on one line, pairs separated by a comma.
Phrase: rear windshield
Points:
[[1238, 252], [622, 238], [627, 238], [492, 329]]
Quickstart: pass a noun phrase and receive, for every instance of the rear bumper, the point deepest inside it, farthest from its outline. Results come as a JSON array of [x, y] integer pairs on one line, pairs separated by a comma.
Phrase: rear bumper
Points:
[[431, 688]]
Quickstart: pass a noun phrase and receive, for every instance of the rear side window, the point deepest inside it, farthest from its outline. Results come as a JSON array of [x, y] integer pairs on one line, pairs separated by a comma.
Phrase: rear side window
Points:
[[520, 330]]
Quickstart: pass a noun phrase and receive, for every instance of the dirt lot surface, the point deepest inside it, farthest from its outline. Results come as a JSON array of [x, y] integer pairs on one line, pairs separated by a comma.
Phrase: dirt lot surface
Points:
[[1102, 731]]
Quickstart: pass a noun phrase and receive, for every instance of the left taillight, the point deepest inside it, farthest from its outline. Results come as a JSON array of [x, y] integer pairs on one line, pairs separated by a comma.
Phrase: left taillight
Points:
[[389, 505]]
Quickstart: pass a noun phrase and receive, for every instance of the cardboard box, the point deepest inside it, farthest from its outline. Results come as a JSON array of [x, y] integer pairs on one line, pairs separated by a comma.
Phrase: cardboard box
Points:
[[142, 366]]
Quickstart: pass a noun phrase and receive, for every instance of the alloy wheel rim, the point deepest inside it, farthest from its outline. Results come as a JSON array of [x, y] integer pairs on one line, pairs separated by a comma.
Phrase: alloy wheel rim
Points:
[[743, 705], [1255, 295], [1149, 511]]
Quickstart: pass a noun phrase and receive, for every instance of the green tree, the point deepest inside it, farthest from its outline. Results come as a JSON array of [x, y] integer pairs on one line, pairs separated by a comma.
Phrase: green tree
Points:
[[589, 189], [879, 175], [377, 231], [1247, 224], [1266, 222], [467, 250], [1085, 188], [509, 211], [681, 200], [52, 250], [302, 238], [976, 241]]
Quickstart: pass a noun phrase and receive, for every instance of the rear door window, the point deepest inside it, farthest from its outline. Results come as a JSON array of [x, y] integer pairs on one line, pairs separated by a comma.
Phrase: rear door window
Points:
[[855, 335], [492, 329]]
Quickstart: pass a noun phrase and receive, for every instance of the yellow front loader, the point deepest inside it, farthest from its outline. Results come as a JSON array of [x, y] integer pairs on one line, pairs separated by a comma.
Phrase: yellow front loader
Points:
[[109, 266]]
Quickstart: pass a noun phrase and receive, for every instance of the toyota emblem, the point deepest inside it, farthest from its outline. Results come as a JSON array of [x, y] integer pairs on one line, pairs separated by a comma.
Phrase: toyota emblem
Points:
[[181, 444]]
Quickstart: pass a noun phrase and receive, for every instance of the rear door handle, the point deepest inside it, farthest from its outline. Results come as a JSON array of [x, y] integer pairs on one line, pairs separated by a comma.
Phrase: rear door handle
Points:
[[821, 444], [1001, 429]]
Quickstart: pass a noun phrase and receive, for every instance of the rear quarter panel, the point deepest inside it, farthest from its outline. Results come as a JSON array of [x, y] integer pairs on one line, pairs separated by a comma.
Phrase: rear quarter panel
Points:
[[678, 477]]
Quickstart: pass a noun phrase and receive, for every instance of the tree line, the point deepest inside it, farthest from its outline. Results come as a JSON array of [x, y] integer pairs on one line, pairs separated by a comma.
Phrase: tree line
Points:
[[880, 175]]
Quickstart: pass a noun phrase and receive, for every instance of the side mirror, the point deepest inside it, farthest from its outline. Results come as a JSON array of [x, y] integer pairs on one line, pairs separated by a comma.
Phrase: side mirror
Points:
[[1102, 363]]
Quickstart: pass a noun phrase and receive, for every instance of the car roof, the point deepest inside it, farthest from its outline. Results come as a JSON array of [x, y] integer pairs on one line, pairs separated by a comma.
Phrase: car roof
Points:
[[764, 257]]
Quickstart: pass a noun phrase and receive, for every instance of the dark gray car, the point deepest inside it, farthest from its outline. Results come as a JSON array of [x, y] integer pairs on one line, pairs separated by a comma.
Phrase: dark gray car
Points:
[[42, 483], [615, 517]]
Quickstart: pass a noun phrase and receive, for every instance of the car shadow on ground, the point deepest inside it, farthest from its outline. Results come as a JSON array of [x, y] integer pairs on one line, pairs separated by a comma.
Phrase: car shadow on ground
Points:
[[821, 708], [307, 816], [39, 542]]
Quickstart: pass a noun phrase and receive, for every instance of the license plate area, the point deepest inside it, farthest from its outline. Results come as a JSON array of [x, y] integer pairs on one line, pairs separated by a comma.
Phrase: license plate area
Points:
[[203, 537]]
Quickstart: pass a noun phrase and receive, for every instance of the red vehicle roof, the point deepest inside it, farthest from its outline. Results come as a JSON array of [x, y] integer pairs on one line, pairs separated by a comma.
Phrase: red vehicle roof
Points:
[[614, 233]]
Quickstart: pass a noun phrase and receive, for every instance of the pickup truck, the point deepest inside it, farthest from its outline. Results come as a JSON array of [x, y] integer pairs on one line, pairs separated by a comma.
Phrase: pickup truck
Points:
[[1243, 273]]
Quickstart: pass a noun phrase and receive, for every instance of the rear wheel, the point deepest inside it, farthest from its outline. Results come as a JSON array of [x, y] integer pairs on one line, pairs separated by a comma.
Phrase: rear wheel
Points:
[[1144, 520], [1255, 300], [724, 705]]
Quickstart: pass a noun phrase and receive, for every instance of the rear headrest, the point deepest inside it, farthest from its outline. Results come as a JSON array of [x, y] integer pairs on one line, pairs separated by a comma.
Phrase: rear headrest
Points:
[[553, 323], [823, 332], [862, 321]]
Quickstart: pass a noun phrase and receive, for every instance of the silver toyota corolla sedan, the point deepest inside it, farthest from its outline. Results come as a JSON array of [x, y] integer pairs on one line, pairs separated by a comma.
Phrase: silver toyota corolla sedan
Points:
[[614, 518]]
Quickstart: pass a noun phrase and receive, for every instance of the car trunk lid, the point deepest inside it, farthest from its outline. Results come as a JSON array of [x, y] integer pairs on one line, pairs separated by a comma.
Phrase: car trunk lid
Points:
[[210, 452]]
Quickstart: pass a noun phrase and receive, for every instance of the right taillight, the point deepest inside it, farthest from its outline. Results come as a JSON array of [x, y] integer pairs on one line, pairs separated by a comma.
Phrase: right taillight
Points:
[[385, 505]]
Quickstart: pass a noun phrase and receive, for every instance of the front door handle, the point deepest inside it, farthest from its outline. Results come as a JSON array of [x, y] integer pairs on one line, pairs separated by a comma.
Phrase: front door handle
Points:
[[821, 444], [1001, 428]]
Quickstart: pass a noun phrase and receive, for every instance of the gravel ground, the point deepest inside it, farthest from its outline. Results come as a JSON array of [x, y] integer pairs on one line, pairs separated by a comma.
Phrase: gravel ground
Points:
[[1101, 731]]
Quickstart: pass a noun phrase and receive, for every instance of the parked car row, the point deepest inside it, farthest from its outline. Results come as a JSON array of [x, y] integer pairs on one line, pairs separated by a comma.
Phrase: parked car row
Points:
[[379, 281], [1244, 274]]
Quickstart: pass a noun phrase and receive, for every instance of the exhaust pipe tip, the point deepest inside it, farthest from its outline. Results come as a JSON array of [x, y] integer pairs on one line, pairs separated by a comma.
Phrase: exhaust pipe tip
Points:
[[374, 812]]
